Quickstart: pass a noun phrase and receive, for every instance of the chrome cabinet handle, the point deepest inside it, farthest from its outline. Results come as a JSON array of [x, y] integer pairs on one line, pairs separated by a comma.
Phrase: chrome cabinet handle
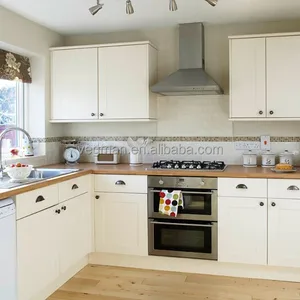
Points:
[[273, 204], [39, 199], [120, 182], [261, 204], [241, 187], [64, 208], [97, 197], [293, 188], [93, 114], [271, 112], [260, 112], [74, 187], [57, 211], [101, 114], [181, 224]]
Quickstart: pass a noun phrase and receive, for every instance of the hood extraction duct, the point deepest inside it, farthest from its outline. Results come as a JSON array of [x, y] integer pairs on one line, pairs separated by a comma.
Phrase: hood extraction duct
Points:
[[191, 78]]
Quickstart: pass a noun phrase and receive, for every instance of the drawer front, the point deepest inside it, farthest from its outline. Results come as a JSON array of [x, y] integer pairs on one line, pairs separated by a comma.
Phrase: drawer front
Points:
[[121, 184], [37, 200], [284, 188], [74, 187], [243, 187]]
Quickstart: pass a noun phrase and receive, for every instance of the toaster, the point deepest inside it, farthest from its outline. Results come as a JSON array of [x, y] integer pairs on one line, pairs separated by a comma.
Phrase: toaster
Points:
[[107, 156]]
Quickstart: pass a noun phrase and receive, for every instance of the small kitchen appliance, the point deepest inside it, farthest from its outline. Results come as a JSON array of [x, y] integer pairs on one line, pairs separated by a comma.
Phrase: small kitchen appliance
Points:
[[268, 159], [249, 159], [108, 156]]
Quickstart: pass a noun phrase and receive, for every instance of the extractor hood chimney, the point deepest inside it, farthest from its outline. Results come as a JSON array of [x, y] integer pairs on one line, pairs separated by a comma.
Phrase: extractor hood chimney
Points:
[[191, 78]]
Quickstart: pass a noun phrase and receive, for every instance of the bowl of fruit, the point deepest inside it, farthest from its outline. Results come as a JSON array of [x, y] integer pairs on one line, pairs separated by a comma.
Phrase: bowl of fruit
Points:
[[18, 172]]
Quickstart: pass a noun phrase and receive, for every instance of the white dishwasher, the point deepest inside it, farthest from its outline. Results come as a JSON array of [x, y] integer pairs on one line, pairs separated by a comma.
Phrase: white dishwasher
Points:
[[8, 250]]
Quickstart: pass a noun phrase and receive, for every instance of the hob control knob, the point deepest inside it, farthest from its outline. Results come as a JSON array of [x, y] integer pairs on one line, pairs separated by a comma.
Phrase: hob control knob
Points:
[[202, 182], [161, 182]]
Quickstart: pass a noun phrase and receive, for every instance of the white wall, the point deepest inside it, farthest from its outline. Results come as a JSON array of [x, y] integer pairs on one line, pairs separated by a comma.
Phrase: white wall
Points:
[[193, 115], [25, 37]]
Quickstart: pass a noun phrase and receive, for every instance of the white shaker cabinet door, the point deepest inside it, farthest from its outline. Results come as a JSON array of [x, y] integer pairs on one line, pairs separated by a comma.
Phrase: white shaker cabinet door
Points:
[[121, 223], [123, 82], [75, 230], [37, 252], [242, 224], [283, 64], [284, 232], [247, 78], [75, 84]]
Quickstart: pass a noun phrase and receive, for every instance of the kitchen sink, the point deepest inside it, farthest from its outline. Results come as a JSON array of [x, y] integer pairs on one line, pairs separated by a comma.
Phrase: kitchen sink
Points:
[[36, 175]]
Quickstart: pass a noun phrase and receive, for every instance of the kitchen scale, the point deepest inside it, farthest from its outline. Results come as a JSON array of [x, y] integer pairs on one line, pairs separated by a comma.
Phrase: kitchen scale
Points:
[[71, 153]]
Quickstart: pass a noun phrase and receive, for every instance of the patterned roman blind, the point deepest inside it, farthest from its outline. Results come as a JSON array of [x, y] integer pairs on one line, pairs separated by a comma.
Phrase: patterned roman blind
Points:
[[14, 67]]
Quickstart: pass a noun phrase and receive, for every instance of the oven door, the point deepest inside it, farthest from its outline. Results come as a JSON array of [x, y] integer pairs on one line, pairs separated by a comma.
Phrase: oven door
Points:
[[183, 239], [198, 205]]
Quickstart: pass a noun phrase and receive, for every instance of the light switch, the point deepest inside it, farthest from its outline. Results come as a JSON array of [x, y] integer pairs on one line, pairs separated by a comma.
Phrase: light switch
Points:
[[265, 142]]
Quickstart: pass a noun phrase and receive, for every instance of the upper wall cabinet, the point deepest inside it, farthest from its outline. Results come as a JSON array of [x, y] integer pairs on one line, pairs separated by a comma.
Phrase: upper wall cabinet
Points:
[[104, 83], [263, 77]]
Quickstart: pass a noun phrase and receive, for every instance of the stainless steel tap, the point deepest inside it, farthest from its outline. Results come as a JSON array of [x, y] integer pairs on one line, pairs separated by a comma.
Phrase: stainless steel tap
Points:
[[2, 135]]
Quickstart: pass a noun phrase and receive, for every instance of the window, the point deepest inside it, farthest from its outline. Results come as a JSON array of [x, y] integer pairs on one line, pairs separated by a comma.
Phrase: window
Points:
[[11, 109]]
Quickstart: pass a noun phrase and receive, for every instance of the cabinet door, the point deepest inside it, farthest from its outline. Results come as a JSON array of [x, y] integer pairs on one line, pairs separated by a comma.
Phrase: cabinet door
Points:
[[74, 84], [123, 82], [121, 223], [283, 64], [242, 230], [37, 252], [284, 232], [75, 230], [247, 78]]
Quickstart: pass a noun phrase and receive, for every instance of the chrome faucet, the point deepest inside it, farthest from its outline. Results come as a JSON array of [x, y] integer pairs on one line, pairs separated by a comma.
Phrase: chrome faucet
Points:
[[2, 135]]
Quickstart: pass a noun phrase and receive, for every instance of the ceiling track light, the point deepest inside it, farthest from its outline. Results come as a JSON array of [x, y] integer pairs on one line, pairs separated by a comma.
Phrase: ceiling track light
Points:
[[173, 5], [212, 2], [94, 9], [129, 7]]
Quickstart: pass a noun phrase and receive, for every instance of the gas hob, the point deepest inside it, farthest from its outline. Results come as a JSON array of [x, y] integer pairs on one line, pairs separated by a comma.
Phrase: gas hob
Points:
[[190, 165]]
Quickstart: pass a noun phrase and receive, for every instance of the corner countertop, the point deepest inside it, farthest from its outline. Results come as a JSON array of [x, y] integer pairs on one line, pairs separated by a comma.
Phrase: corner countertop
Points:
[[233, 171]]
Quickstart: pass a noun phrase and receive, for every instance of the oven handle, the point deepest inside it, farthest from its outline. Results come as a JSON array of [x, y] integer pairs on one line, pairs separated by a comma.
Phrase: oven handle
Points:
[[194, 193], [182, 224]]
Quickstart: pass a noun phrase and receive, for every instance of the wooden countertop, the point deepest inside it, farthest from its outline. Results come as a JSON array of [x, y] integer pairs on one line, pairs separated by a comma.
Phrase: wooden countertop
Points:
[[125, 169]]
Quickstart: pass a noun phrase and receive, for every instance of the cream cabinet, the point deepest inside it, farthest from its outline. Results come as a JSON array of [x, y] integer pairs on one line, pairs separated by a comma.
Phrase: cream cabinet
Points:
[[74, 80], [104, 83], [263, 77], [37, 252]]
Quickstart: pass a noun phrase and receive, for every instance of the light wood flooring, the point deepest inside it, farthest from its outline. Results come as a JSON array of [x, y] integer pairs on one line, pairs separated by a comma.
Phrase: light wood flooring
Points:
[[113, 283]]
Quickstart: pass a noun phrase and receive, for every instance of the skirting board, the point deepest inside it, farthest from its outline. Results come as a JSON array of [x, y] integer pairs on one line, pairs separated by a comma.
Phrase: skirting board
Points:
[[63, 278], [196, 266]]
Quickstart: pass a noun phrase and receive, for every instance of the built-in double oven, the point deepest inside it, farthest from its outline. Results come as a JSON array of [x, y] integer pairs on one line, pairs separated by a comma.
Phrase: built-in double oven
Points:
[[193, 232]]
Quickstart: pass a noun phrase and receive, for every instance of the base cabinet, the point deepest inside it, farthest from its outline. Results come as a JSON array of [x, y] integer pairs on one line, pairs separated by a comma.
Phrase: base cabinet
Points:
[[121, 223], [242, 230], [37, 252], [284, 232]]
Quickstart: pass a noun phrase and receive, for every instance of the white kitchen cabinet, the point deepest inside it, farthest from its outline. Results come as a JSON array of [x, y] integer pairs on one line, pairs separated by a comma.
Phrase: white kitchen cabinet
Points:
[[75, 225], [37, 252], [247, 78], [125, 76], [74, 84], [284, 232], [121, 223], [283, 63], [242, 225], [104, 83], [264, 77]]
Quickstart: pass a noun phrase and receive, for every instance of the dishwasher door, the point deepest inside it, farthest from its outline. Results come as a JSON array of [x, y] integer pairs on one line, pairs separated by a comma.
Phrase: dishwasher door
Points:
[[8, 253]]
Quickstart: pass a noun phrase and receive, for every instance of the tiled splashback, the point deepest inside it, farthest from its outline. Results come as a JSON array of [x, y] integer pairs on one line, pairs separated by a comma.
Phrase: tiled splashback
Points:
[[181, 148]]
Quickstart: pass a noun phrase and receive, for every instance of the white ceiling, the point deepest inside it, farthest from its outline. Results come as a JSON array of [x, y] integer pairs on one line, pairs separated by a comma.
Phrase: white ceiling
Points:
[[72, 16]]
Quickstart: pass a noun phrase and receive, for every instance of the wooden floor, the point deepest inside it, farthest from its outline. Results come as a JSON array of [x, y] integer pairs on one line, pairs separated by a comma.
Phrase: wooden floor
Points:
[[114, 283]]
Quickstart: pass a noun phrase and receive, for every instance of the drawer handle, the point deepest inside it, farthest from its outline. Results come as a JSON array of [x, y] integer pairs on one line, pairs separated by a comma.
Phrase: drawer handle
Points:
[[293, 188], [74, 187], [64, 208], [39, 199], [120, 182], [241, 187]]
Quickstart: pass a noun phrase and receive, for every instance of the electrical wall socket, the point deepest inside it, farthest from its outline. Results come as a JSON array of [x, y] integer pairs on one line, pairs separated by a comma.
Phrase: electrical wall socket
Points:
[[265, 142], [247, 145]]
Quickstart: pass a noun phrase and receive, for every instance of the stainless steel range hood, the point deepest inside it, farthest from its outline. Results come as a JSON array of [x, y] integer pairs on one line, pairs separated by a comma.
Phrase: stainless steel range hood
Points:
[[191, 78]]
